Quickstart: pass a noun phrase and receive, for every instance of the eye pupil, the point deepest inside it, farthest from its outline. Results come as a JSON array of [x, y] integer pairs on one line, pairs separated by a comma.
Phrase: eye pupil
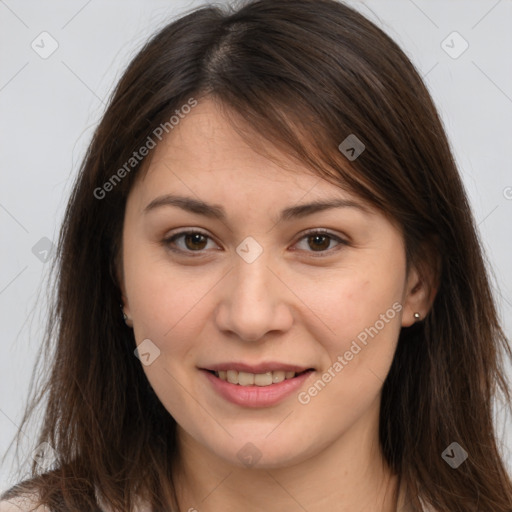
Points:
[[317, 237], [194, 238]]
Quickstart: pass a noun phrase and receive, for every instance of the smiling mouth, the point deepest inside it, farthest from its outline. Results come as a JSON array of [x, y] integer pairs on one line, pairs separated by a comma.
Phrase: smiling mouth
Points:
[[256, 379]]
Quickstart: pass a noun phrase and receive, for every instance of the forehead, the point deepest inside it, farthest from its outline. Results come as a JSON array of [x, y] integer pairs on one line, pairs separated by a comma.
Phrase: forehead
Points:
[[205, 153]]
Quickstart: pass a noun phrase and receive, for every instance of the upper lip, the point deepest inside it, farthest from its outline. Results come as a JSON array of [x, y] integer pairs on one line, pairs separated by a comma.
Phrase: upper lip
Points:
[[257, 368]]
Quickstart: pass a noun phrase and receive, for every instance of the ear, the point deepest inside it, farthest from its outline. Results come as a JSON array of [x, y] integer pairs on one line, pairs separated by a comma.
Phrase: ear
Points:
[[422, 285]]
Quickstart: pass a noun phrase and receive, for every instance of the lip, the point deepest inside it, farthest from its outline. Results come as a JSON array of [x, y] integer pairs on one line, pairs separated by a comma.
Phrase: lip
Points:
[[269, 366], [256, 396]]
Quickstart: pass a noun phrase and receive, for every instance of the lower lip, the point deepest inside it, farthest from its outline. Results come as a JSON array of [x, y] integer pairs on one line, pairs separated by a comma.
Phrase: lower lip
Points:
[[256, 396]]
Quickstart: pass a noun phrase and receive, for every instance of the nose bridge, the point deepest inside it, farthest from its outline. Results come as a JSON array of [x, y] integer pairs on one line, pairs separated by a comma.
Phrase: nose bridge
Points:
[[253, 302], [251, 268], [252, 278]]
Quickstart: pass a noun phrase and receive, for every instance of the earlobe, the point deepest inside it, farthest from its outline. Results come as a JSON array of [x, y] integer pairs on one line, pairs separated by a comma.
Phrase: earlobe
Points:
[[125, 310], [422, 283], [126, 315], [418, 299]]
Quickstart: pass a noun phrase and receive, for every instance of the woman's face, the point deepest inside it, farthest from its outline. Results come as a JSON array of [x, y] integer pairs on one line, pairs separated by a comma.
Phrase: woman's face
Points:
[[255, 294]]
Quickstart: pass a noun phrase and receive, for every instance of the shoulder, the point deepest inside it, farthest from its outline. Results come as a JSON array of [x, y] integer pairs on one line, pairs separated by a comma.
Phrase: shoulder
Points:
[[17, 500], [22, 504], [21, 498], [405, 500]]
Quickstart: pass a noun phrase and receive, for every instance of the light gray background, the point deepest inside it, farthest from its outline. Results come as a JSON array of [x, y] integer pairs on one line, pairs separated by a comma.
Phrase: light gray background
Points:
[[49, 108]]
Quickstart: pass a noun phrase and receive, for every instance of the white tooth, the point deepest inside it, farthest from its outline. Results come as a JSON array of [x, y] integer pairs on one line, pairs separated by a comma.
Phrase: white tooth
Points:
[[263, 379], [245, 379], [278, 376], [251, 379], [232, 376]]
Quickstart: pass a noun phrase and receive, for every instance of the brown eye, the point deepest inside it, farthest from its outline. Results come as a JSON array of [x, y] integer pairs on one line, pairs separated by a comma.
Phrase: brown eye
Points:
[[187, 242], [194, 241], [319, 242]]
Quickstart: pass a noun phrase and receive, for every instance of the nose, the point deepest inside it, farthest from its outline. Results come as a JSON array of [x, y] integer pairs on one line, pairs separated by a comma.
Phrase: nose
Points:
[[254, 301]]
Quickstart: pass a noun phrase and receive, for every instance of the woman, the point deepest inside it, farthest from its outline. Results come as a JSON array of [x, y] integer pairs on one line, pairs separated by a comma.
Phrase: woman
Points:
[[271, 294]]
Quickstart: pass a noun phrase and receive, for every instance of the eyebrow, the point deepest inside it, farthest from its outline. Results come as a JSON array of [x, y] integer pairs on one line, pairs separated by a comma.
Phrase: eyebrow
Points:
[[216, 211]]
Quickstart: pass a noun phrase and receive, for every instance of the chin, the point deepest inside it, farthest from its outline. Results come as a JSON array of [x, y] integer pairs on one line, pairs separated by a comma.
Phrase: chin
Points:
[[261, 453]]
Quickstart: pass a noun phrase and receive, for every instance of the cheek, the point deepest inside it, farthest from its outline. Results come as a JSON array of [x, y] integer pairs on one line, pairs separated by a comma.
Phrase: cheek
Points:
[[362, 311], [357, 304], [166, 305], [161, 298], [365, 316]]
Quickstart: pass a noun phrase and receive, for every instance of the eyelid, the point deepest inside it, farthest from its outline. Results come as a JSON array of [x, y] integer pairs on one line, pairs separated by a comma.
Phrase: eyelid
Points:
[[168, 240], [323, 231]]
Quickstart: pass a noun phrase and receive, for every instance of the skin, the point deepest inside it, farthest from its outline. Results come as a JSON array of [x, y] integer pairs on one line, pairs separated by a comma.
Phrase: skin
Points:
[[287, 306]]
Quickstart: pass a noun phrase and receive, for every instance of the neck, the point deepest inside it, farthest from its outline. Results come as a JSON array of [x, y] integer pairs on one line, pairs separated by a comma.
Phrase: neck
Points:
[[348, 475]]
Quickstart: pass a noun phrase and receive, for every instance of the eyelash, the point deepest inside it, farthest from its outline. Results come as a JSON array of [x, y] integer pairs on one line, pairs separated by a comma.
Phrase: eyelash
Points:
[[320, 254]]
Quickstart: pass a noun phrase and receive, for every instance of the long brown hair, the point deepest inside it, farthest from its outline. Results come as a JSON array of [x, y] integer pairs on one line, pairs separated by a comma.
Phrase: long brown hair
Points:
[[304, 75]]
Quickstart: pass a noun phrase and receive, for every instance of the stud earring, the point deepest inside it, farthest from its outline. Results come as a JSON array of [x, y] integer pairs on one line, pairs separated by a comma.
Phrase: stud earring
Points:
[[417, 316], [125, 317]]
